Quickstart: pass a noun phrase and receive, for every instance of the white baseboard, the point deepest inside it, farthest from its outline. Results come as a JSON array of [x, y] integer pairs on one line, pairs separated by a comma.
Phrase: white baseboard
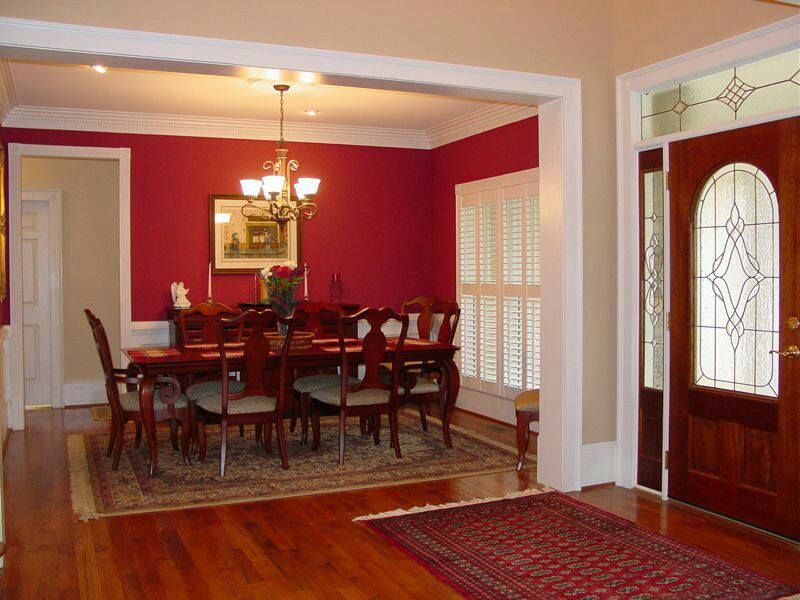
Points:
[[494, 407], [81, 393], [598, 463]]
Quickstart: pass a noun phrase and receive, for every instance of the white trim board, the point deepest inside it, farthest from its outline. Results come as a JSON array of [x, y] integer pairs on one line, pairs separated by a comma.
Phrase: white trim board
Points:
[[561, 171], [82, 393], [598, 463], [15, 399], [774, 38], [74, 119], [53, 198]]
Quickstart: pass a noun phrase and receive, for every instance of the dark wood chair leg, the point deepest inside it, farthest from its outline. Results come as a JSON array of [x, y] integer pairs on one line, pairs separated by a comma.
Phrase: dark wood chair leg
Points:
[[304, 402], [186, 439], [112, 437], [202, 440], [423, 419], [376, 429], [173, 433], [393, 424], [268, 437], [523, 437], [315, 425], [138, 439], [259, 434], [241, 430], [295, 413], [195, 433], [342, 430], [223, 447], [281, 435], [118, 446], [364, 425]]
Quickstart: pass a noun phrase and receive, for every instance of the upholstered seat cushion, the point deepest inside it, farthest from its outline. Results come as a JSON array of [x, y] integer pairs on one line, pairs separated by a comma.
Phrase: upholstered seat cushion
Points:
[[333, 395], [313, 383], [423, 385], [130, 401], [212, 388], [242, 406], [527, 401]]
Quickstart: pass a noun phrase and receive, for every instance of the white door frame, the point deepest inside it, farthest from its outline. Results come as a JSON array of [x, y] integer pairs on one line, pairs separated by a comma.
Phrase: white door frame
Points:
[[772, 39], [14, 385], [53, 199], [560, 143]]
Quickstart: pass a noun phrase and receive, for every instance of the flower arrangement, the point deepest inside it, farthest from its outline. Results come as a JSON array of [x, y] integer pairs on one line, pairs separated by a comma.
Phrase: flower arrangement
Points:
[[281, 282]]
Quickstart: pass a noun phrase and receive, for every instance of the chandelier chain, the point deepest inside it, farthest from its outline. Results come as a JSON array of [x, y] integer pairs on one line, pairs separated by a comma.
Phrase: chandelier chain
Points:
[[281, 117]]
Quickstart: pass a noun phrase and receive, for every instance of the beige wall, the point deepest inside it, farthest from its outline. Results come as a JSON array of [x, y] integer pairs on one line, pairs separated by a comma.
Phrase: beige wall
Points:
[[589, 39], [90, 248]]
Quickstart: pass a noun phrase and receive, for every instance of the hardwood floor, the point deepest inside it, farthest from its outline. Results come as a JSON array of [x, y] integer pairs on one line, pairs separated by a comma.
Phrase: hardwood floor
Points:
[[297, 547]]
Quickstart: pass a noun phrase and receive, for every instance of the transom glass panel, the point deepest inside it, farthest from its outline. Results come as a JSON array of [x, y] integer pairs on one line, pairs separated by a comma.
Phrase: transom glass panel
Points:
[[761, 87], [736, 282]]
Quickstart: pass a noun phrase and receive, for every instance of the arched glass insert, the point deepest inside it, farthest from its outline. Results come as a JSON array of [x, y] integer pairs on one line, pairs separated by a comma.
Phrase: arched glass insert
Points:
[[736, 282]]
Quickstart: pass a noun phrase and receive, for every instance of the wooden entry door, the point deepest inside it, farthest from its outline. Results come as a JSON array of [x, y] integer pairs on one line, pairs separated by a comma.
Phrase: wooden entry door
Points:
[[734, 362]]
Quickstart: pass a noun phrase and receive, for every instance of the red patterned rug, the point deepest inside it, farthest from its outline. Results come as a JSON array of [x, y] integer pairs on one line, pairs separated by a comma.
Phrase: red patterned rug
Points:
[[548, 545]]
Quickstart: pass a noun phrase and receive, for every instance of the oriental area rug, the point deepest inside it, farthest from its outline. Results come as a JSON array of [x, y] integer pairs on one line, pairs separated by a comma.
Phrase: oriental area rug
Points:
[[252, 474], [544, 544]]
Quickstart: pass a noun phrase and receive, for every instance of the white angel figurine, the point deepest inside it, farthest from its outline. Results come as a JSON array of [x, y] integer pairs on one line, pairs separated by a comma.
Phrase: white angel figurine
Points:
[[180, 295]]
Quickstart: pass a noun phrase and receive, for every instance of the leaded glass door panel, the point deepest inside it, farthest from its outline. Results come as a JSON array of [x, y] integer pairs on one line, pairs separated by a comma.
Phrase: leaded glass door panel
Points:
[[735, 288]]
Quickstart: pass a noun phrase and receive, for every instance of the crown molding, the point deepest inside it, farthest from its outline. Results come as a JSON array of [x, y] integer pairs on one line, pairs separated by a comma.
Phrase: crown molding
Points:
[[36, 117], [483, 119], [8, 96], [72, 119]]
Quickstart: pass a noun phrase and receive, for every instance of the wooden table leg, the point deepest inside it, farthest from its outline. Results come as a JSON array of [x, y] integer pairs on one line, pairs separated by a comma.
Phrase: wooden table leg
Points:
[[453, 382], [148, 416]]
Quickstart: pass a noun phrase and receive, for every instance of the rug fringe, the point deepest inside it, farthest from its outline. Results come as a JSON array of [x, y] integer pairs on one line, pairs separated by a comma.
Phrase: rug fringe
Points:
[[430, 507], [80, 484]]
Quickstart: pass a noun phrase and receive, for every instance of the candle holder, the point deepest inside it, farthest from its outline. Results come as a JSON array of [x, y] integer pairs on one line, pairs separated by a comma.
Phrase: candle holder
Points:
[[335, 288]]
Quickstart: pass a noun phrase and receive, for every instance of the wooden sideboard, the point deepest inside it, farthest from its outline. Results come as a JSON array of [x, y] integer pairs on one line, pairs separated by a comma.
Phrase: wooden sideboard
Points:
[[329, 328]]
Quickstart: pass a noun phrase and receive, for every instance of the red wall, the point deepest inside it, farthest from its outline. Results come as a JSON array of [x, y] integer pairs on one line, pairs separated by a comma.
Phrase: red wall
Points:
[[513, 147], [370, 224], [381, 210]]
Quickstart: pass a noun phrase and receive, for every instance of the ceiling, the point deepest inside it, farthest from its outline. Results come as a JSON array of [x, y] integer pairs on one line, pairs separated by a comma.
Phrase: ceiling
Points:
[[38, 84]]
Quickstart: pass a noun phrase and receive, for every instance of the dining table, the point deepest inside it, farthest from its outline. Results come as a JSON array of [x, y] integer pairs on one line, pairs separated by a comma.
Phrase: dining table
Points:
[[154, 362]]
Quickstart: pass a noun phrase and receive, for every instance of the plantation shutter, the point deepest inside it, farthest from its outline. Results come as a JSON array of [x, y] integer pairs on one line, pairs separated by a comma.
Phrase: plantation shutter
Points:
[[498, 283]]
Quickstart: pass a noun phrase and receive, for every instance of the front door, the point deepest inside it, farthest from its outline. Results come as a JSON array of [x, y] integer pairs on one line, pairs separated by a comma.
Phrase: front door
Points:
[[734, 330], [36, 292]]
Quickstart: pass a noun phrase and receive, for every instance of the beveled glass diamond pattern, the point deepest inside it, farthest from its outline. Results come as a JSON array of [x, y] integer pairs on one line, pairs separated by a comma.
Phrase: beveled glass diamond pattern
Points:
[[735, 93]]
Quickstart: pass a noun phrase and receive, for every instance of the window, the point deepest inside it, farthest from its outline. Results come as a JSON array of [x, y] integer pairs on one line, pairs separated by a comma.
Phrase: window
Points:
[[736, 284], [764, 86], [498, 283]]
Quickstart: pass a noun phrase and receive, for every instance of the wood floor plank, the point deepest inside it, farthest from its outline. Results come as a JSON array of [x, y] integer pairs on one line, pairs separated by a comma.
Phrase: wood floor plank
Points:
[[306, 547]]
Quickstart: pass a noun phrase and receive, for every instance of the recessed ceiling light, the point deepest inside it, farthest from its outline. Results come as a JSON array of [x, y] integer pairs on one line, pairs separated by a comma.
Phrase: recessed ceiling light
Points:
[[311, 112], [99, 69]]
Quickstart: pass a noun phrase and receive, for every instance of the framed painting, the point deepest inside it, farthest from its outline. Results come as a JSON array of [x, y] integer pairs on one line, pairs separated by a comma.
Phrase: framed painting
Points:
[[242, 244]]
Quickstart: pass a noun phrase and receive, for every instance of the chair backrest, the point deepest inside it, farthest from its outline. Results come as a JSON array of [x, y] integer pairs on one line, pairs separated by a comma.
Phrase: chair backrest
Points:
[[425, 319], [199, 323], [451, 314], [374, 347], [318, 317], [259, 359], [104, 350]]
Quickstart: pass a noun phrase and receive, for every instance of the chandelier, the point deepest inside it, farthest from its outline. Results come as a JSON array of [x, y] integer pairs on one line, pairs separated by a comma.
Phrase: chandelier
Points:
[[282, 206]]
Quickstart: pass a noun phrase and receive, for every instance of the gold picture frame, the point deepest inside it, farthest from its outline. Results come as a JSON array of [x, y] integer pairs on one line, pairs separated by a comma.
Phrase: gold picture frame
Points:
[[247, 245]]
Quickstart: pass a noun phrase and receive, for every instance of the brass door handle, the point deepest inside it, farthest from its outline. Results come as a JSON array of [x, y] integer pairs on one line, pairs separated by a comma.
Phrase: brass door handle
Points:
[[790, 352]]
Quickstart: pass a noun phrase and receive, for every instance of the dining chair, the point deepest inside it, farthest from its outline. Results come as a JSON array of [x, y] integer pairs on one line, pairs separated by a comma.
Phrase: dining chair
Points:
[[425, 315], [369, 397], [318, 318], [421, 383], [526, 406], [199, 328], [254, 403], [168, 403]]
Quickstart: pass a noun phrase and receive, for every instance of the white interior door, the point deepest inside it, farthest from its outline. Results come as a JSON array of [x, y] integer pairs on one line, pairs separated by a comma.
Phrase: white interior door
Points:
[[36, 297]]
